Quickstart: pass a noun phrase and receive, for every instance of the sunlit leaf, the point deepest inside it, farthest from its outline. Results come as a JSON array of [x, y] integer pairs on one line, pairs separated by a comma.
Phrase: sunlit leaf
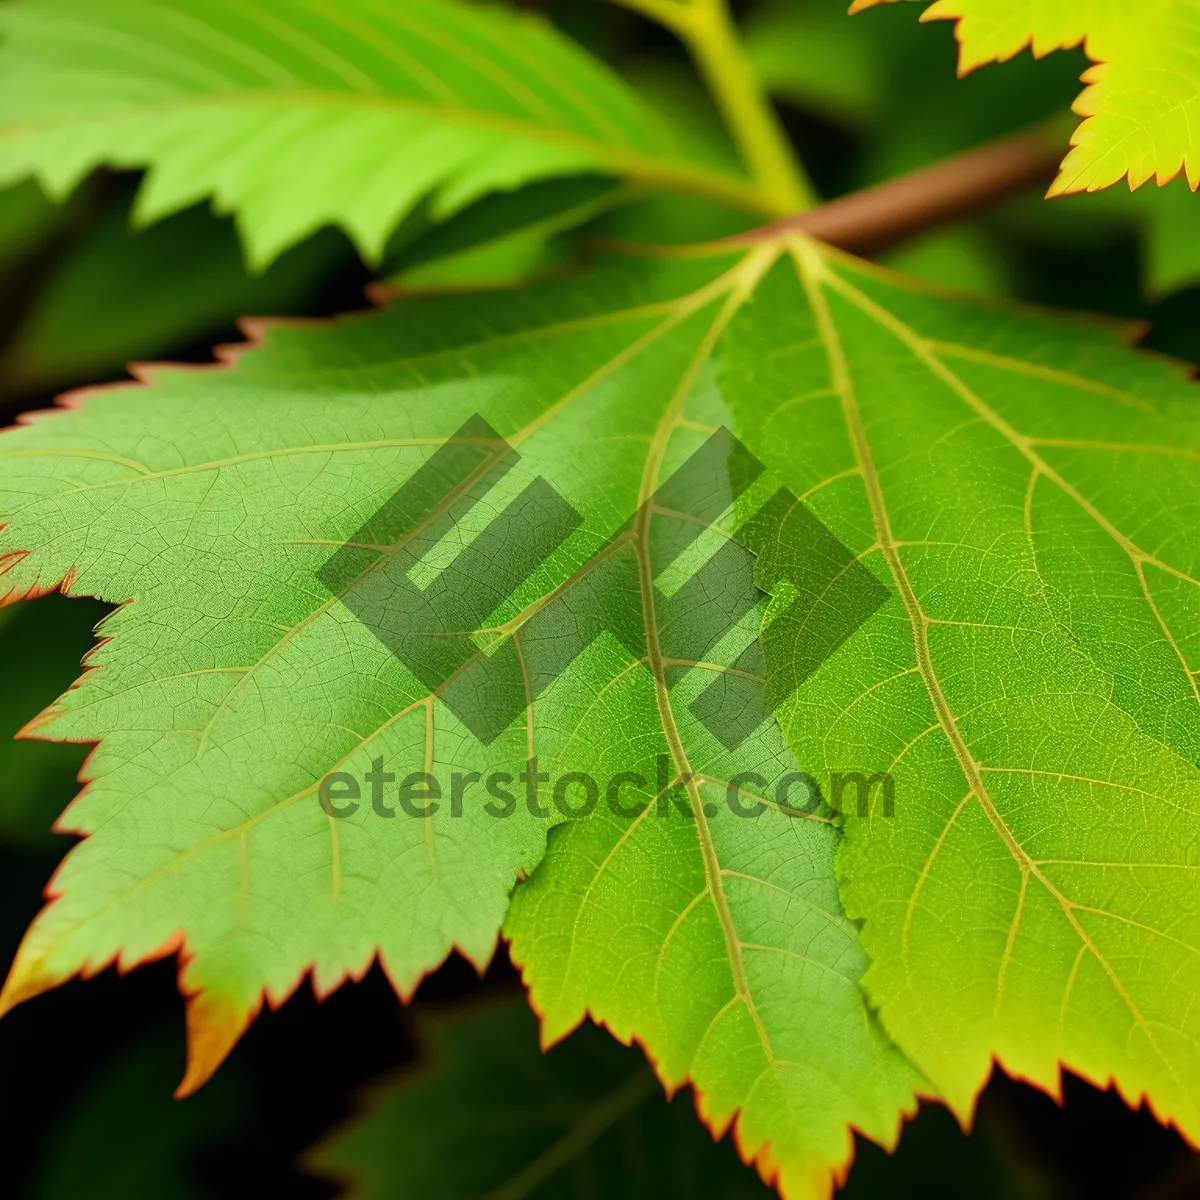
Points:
[[1142, 102]]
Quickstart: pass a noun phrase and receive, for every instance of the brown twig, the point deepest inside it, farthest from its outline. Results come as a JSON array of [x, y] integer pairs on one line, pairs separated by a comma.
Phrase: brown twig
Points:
[[878, 217]]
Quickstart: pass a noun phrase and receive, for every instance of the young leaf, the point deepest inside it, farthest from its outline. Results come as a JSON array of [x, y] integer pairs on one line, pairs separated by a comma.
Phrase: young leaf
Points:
[[294, 116], [489, 1115], [1031, 489], [1142, 103]]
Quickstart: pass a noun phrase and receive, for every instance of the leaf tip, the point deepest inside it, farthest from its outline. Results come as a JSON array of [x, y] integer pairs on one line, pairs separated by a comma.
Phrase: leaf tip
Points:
[[28, 977], [1064, 184], [214, 1026]]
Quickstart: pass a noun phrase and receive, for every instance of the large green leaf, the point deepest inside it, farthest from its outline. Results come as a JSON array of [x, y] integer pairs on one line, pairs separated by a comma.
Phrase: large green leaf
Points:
[[1142, 103], [233, 682], [294, 114], [488, 1115]]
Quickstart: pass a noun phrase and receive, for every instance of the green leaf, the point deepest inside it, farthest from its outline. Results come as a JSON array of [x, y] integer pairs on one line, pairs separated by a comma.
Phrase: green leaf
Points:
[[233, 682], [294, 115], [490, 1115], [1142, 103], [1031, 491]]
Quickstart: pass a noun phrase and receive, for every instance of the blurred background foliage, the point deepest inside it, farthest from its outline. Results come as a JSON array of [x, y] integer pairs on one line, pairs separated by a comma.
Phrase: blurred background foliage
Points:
[[83, 292]]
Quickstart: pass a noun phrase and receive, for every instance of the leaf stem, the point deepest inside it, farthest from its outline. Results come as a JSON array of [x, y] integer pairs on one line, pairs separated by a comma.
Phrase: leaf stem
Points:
[[878, 217], [707, 29]]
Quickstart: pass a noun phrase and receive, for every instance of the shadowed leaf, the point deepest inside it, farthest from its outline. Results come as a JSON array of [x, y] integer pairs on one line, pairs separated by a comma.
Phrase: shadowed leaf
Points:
[[489, 1115]]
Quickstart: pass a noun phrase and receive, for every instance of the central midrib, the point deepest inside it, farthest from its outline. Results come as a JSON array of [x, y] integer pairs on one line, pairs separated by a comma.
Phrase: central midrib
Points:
[[751, 271]]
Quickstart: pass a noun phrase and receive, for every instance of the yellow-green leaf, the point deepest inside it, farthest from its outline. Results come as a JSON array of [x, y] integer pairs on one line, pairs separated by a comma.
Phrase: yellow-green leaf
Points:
[[1142, 102]]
